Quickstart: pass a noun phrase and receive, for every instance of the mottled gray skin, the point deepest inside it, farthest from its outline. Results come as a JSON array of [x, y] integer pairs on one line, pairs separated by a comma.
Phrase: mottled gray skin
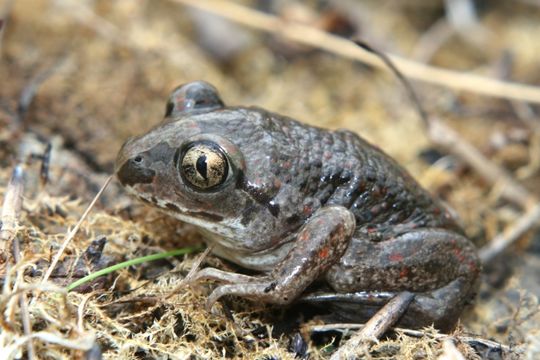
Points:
[[306, 207]]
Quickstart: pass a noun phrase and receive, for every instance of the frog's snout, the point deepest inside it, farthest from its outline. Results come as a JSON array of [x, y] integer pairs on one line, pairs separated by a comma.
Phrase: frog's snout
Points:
[[135, 170]]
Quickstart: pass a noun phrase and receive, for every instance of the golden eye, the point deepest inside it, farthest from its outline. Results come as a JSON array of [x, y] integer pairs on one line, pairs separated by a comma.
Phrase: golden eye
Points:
[[203, 165]]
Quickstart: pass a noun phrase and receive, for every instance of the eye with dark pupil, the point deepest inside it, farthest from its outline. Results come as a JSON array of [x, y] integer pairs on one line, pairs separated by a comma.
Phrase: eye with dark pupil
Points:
[[203, 165]]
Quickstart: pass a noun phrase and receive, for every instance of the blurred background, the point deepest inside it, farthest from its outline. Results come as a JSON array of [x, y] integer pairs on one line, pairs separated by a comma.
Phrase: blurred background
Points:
[[86, 75]]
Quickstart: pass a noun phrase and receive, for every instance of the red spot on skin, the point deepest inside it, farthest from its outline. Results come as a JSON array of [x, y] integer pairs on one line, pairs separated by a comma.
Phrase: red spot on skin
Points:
[[304, 236], [458, 254], [395, 257], [323, 253], [403, 273]]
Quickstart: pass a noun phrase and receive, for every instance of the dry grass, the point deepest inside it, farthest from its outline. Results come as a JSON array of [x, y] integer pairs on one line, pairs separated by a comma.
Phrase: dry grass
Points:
[[109, 66]]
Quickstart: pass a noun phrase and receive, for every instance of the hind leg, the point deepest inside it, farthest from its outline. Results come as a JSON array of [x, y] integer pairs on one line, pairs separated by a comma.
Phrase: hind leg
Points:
[[439, 266], [439, 308]]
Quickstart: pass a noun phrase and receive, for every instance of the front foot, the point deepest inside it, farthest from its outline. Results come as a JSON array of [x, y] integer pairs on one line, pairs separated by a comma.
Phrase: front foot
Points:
[[260, 288], [236, 284], [261, 291]]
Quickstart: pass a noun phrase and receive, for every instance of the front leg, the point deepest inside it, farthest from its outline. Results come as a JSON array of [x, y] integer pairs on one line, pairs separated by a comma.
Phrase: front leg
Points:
[[319, 244]]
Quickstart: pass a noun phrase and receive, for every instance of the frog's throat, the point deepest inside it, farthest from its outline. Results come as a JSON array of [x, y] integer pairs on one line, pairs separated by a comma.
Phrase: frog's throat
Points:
[[263, 260]]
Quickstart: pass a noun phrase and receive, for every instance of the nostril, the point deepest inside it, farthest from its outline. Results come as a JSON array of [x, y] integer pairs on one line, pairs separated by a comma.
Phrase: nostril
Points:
[[135, 171]]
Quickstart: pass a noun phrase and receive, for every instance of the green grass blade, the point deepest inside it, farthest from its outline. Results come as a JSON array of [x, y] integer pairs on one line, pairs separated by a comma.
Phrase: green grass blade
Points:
[[110, 269]]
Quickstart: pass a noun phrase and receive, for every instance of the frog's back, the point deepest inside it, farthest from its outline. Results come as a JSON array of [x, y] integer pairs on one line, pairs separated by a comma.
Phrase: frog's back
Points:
[[341, 168]]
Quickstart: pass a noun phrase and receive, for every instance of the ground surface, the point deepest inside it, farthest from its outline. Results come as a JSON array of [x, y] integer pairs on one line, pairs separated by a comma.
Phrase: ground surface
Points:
[[101, 71]]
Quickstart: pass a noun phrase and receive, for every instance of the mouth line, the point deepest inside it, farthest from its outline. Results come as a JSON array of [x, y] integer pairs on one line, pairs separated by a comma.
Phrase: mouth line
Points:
[[174, 209], [194, 214]]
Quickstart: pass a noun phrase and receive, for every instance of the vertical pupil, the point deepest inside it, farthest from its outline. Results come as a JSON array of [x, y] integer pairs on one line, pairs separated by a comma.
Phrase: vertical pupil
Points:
[[202, 167]]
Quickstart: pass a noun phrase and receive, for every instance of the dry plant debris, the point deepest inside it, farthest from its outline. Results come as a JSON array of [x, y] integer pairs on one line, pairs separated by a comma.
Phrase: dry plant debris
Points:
[[82, 76]]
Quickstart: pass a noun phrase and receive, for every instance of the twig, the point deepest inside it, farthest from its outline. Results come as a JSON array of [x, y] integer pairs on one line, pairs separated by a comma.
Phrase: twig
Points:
[[334, 44], [80, 312], [30, 90], [11, 210], [45, 163], [74, 231], [388, 315], [431, 40], [83, 343], [379, 323], [408, 87], [450, 351], [192, 272], [503, 240], [452, 142], [27, 324], [472, 341]]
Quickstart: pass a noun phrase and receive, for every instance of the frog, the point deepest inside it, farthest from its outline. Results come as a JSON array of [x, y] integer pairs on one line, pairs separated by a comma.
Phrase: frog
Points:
[[314, 216]]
